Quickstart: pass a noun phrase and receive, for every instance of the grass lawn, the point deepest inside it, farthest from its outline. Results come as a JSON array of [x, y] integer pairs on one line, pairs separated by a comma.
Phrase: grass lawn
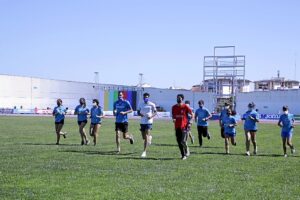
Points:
[[32, 167]]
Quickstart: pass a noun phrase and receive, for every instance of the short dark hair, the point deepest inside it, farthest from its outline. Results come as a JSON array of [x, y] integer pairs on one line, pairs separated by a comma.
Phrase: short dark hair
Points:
[[226, 104], [119, 92], [187, 102], [251, 105], [59, 100], [285, 108], [201, 102], [96, 101], [180, 95], [82, 102], [146, 94], [233, 112]]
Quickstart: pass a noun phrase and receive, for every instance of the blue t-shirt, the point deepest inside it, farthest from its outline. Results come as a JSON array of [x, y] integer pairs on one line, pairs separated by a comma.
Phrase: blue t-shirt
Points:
[[59, 113], [81, 113], [229, 120], [250, 124], [287, 121], [122, 106], [223, 116], [202, 113], [96, 111]]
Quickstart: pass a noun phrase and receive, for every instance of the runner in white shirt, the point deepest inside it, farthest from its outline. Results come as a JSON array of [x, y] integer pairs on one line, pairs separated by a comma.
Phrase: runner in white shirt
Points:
[[147, 111]]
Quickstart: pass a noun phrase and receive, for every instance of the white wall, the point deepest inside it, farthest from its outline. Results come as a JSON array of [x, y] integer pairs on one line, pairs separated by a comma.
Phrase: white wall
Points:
[[270, 102], [42, 93]]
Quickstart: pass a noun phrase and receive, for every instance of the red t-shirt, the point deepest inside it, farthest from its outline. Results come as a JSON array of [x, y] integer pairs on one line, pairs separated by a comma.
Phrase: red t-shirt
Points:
[[180, 114]]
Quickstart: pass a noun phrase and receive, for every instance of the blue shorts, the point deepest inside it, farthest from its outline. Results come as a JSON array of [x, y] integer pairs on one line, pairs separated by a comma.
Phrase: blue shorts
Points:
[[79, 122], [286, 134], [145, 127], [230, 134]]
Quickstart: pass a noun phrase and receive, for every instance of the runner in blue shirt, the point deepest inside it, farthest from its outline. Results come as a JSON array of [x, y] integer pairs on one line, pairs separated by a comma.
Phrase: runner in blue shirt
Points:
[[202, 115], [286, 122], [251, 117], [122, 107], [223, 115], [229, 123], [59, 113], [82, 111], [96, 119]]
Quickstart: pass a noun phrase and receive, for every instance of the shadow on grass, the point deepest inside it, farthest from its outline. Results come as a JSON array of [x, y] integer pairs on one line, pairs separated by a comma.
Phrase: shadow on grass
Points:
[[198, 147], [149, 158], [104, 153], [50, 144], [218, 153], [164, 145], [274, 155]]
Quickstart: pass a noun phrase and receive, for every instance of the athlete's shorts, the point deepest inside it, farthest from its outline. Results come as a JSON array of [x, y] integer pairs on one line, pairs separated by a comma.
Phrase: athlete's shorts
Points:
[[252, 131], [202, 131], [145, 127], [60, 122], [123, 127], [287, 134], [230, 134], [95, 123], [79, 122]]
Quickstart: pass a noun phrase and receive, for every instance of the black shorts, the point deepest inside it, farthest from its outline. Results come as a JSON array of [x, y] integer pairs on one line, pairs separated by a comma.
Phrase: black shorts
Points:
[[61, 122], [202, 131], [123, 127], [253, 131], [95, 124], [145, 127], [79, 122]]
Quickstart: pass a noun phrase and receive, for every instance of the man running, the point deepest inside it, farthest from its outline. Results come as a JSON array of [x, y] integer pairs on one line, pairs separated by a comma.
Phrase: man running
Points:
[[122, 107], [202, 115], [147, 111], [180, 111], [223, 117]]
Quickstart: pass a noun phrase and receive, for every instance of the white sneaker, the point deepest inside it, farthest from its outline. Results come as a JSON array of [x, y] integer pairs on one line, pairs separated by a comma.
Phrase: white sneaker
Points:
[[285, 155], [293, 150], [118, 150], [144, 154], [149, 139], [184, 158], [188, 153], [247, 153]]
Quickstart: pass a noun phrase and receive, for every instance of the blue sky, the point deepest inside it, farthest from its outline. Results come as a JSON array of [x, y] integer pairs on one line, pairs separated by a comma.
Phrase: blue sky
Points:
[[164, 39]]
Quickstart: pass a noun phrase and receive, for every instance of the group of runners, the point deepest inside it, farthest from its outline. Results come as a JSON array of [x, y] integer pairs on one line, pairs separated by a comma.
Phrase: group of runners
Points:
[[182, 115]]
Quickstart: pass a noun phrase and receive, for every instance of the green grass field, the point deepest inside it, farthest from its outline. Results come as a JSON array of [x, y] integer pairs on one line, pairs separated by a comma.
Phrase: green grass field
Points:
[[32, 167]]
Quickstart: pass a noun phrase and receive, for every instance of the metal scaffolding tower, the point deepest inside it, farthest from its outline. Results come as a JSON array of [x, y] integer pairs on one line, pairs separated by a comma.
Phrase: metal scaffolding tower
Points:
[[221, 74]]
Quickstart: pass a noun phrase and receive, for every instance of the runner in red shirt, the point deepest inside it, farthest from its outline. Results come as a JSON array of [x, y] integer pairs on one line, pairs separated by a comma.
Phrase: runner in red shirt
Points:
[[180, 113]]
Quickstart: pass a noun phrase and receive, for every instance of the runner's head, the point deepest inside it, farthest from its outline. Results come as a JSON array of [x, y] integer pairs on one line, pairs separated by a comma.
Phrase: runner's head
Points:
[[201, 103], [226, 105], [251, 106], [180, 98], [187, 102], [95, 102], [59, 102], [285, 109], [82, 102], [120, 95], [146, 97]]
